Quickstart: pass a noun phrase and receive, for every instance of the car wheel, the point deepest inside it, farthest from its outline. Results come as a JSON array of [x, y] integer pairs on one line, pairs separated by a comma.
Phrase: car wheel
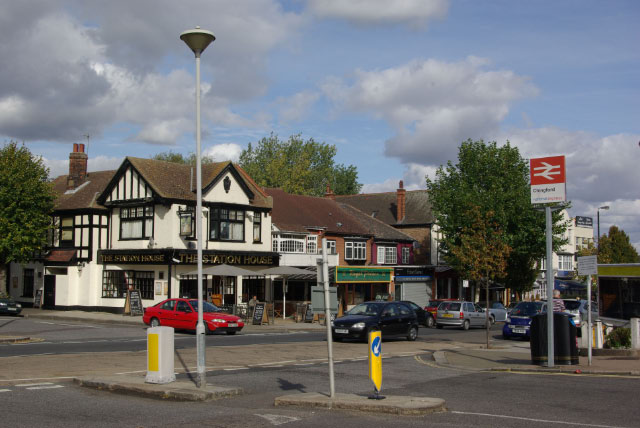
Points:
[[207, 330], [430, 322], [439, 326], [155, 322], [465, 325], [492, 321], [231, 333], [412, 334]]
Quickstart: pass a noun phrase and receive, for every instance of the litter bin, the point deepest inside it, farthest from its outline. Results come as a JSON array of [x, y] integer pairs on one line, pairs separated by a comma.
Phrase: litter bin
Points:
[[565, 346]]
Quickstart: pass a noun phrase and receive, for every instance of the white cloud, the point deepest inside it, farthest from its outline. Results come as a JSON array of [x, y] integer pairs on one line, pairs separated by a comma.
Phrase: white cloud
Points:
[[296, 107], [224, 152], [58, 167], [432, 105], [414, 13]]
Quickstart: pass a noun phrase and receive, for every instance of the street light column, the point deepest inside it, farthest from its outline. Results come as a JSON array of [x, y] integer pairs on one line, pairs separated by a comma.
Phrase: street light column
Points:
[[198, 40]]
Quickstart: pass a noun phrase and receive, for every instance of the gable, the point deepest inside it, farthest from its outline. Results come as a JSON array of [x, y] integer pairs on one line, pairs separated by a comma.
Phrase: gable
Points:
[[228, 186], [127, 185]]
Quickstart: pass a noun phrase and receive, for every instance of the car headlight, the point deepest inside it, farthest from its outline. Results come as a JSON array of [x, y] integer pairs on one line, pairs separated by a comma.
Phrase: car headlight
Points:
[[218, 320], [508, 319], [3, 304], [18, 305], [358, 326]]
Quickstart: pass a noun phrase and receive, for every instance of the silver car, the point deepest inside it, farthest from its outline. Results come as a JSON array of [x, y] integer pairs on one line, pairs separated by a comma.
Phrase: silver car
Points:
[[459, 313], [497, 311], [579, 308]]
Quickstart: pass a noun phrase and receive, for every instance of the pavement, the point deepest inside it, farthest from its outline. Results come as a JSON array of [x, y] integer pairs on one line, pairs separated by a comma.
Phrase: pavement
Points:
[[502, 356]]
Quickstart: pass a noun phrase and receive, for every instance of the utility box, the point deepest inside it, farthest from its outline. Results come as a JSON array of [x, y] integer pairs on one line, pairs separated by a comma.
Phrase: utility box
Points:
[[160, 355], [635, 333]]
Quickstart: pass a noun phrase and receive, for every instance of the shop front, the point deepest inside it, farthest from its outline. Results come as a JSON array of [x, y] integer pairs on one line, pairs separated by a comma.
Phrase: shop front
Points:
[[414, 283], [361, 284]]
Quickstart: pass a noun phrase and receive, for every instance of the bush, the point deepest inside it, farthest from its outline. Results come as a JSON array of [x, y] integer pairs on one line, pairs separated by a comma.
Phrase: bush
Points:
[[618, 338]]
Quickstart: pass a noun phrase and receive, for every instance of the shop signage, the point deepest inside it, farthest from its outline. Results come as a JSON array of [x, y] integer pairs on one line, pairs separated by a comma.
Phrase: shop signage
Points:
[[363, 274], [584, 221], [185, 257], [411, 271], [229, 259], [548, 180], [134, 258]]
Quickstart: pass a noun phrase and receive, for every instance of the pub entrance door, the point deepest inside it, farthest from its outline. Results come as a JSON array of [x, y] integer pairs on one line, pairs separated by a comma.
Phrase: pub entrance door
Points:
[[49, 300]]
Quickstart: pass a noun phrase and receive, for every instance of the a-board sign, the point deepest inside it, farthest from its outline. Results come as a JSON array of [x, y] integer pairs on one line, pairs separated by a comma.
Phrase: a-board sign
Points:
[[133, 303], [308, 314], [258, 314], [37, 301]]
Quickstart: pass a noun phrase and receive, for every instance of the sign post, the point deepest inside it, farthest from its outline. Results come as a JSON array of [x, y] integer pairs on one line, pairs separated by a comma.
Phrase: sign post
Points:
[[548, 185], [375, 363], [588, 265], [323, 277]]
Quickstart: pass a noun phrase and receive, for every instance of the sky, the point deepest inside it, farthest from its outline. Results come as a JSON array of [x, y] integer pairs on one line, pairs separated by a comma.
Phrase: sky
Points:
[[395, 85]]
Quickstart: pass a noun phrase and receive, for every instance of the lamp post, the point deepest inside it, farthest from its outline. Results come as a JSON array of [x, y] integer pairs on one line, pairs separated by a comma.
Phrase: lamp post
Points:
[[198, 40], [606, 207]]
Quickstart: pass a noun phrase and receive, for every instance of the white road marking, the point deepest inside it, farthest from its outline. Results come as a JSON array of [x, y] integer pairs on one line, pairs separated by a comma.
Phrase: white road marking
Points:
[[236, 368], [278, 419], [46, 387], [546, 421], [38, 378], [35, 384], [5, 390], [137, 371]]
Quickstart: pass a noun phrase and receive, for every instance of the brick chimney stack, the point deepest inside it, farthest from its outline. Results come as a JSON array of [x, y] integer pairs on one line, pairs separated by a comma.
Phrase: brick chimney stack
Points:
[[400, 202], [329, 193], [77, 167]]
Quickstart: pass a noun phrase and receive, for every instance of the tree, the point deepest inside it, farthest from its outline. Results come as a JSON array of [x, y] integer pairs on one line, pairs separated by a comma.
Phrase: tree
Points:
[[191, 159], [494, 179], [616, 248], [299, 167], [26, 202], [482, 252]]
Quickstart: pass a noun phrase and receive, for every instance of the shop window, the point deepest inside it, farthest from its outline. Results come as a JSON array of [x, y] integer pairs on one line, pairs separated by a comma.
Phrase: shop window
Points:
[[115, 283], [136, 222], [27, 283], [354, 250], [226, 225]]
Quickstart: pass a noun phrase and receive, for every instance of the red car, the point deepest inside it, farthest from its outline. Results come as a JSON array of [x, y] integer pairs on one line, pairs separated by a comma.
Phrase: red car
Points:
[[182, 314]]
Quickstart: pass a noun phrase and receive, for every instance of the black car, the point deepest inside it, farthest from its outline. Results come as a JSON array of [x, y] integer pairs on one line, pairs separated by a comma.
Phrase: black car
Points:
[[420, 313], [10, 306], [391, 318]]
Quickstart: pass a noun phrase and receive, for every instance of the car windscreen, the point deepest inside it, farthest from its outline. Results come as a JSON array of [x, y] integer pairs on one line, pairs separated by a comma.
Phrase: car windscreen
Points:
[[368, 309], [526, 309], [206, 306], [449, 306], [571, 305]]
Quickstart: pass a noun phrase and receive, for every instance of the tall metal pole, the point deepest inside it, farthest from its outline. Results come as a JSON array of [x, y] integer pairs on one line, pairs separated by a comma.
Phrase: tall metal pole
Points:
[[327, 315], [198, 40], [550, 355], [589, 331]]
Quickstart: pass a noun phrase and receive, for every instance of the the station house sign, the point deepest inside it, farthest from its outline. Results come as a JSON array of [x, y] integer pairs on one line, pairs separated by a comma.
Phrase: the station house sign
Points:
[[187, 258]]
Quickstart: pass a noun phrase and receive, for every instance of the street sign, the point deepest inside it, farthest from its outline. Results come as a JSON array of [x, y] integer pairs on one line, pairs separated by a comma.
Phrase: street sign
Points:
[[375, 359], [317, 299], [548, 180], [588, 265]]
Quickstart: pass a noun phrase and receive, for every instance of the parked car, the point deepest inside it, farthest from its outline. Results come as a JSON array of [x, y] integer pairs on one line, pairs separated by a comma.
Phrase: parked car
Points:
[[10, 306], [519, 321], [459, 314], [510, 307], [432, 309], [497, 311], [182, 314], [579, 308], [421, 314], [391, 318]]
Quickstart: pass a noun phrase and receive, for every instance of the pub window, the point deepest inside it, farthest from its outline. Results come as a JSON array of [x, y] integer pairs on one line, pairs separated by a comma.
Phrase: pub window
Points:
[[27, 283], [136, 222], [66, 231], [226, 225], [115, 283], [354, 250], [405, 255], [257, 227]]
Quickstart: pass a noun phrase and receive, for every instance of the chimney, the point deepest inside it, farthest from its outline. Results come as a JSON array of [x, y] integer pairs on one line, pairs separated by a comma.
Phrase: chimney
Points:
[[77, 167], [400, 203], [329, 193]]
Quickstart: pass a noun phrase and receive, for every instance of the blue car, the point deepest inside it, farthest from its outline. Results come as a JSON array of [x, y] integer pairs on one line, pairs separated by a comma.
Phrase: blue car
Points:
[[518, 322]]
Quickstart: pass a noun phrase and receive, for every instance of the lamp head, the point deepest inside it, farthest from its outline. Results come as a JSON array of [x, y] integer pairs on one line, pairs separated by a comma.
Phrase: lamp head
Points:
[[606, 207], [197, 39]]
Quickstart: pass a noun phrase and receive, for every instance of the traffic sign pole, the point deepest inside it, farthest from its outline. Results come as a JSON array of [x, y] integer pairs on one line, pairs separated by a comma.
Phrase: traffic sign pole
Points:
[[550, 355], [327, 315]]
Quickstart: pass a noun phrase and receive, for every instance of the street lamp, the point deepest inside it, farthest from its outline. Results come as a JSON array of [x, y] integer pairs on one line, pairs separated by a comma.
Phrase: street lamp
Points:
[[606, 207], [198, 40]]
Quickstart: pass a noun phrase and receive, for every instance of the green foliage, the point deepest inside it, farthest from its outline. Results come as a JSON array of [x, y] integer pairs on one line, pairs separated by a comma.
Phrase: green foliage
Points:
[[298, 166], [494, 179], [620, 337], [191, 159], [26, 202], [616, 248]]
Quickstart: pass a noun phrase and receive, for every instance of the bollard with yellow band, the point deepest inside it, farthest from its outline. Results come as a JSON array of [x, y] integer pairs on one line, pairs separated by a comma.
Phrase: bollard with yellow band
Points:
[[160, 350], [375, 363]]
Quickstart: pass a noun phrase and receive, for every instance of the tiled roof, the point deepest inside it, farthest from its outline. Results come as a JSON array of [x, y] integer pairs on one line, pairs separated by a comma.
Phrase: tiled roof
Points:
[[377, 228], [83, 196], [60, 255], [298, 213], [173, 180], [382, 206]]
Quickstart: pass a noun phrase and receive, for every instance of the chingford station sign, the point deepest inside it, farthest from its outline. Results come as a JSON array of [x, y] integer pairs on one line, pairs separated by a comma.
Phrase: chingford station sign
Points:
[[548, 180]]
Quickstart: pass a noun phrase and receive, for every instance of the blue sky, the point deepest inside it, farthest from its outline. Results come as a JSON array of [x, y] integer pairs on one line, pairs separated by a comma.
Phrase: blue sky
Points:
[[396, 85]]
